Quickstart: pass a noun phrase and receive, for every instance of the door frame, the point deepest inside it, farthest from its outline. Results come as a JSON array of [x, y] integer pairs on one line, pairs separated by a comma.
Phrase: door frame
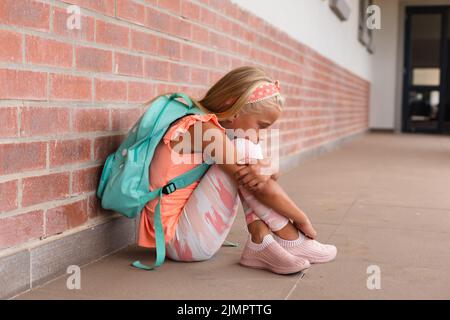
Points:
[[444, 10]]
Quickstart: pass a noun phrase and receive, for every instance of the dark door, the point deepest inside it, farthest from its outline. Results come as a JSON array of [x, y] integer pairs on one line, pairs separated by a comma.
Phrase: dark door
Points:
[[426, 97]]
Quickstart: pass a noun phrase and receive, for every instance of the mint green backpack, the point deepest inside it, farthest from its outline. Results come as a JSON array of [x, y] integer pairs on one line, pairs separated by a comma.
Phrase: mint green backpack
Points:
[[124, 183]]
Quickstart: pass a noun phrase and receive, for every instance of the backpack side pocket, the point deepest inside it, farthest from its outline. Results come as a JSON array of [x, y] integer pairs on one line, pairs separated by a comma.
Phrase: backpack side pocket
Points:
[[105, 175]]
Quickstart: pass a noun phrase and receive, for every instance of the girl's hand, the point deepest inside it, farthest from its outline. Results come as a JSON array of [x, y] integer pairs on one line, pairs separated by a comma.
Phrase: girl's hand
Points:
[[254, 176], [307, 229]]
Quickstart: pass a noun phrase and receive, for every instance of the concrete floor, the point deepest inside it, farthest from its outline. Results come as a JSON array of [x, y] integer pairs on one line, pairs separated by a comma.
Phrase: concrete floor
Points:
[[383, 200]]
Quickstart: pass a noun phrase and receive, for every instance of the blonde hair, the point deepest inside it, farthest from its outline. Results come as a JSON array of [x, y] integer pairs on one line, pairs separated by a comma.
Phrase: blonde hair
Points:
[[228, 96]]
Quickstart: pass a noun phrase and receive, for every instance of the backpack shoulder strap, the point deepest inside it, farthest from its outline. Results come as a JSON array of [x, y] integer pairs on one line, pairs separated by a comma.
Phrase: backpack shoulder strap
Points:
[[179, 182]]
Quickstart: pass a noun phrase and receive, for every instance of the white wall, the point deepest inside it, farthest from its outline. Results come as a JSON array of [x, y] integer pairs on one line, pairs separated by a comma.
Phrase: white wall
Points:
[[384, 67], [313, 23], [387, 64]]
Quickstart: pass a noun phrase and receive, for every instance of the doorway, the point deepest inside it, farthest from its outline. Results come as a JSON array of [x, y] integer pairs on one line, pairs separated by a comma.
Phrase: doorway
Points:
[[426, 96]]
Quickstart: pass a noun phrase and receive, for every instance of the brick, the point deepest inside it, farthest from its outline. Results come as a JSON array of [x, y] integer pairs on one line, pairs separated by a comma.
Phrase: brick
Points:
[[180, 28], [20, 157], [144, 42], [86, 31], [214, 76], [110, 90], [89, 119], [200, 34], [8, 122], [139, 91], [13, 51], [93, 59], [38, 121], [208, 58], [157, 20], [172, 5], [8, 196], [21, 228], [196, 93], [245, 50], [179, 73], [85, 180], [25, 13], [104, 146], [69, 151], [48, 52], [217, 40], [220, 6], [237, 31], [230, 8], [163, 88], [242, 15], [224, 25], [190, 54], [129, 65], [157, 69], [95, 209], [103, 6], [190, 10], [69, 87], [124, 119], [19, 84], [223, 61], [45, 188], [65, 217], [208, 17], [199, 76], [169, 48], [131, 11], [111, 34]]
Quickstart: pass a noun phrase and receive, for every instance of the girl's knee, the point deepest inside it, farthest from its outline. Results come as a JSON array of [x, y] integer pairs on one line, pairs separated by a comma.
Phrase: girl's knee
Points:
[[204, 257], [191, 253]]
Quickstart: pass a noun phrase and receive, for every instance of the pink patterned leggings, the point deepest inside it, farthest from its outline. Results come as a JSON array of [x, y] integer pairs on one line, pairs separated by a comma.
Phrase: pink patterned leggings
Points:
[[209, 214]]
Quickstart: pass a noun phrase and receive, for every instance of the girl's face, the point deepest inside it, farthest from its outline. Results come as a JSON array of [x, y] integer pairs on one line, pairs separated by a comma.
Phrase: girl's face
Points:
[[253, 121]]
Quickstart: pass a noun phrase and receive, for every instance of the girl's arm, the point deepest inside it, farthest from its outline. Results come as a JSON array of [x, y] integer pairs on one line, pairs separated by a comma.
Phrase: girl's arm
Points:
[[270, 193]]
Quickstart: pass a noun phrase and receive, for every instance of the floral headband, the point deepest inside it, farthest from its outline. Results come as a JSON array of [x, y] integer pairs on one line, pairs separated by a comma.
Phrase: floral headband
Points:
[[264, 91]]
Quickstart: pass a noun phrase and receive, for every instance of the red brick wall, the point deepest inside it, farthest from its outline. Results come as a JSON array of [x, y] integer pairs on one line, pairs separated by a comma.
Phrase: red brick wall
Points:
[[67, 96]]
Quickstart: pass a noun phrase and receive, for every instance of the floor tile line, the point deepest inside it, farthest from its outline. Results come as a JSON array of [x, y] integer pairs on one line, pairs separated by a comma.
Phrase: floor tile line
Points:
[[395, 229], [399, 206], [300, 277]]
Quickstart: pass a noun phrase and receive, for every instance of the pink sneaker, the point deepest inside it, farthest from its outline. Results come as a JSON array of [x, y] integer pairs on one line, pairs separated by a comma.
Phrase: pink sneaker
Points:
[[312, 250], [269, 255]]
